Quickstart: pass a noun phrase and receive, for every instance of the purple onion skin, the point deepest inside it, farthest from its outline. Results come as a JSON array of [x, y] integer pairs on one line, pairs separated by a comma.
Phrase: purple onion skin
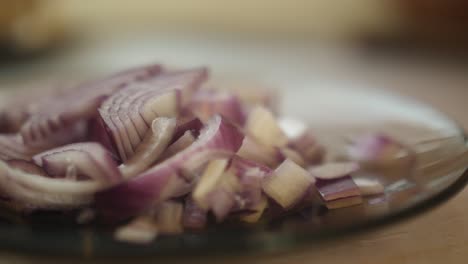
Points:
[[79, 104], [142, 192], [128, 199], [97, 132], [194, 125], [342, 187]]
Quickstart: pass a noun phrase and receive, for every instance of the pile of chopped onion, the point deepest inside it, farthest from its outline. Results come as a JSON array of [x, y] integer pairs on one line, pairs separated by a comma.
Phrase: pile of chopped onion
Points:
[[154, 148]]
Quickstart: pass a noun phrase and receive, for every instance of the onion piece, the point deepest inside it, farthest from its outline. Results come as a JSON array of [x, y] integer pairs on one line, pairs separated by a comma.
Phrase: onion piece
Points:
[[184, 124], [384, 155], [335, 189], [78, 104], [26, 166], [250, 175], [169, 217], [218, 139], [216, 189], [376, 148], [287, 184], [344, 202], [12, 147], [259, 208], [88, 158], [369, 186], [252, 150], [182, 143], [36, 191], [97, 133], [205, 104], [128, 112], [333, 170], [263, 127], [151, 148], [293, 155], [142, 230], [194, 217], [209, 182]]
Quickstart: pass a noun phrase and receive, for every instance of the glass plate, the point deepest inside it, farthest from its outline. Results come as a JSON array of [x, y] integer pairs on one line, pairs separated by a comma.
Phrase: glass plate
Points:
[[338, 114]]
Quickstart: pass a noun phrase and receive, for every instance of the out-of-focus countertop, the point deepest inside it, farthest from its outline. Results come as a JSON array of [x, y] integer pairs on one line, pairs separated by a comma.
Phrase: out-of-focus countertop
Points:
[[439, 236]]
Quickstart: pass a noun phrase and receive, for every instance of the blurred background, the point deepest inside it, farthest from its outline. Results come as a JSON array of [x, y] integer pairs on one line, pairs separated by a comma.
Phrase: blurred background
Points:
[[402, 45]]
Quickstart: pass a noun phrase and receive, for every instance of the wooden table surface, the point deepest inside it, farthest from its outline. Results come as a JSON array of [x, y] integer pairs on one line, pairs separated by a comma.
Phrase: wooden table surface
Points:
[[438, 236]]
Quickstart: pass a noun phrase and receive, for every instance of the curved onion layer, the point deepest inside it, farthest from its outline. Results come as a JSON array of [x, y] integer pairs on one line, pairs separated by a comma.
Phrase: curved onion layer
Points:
[[151, 148], [128, 113], [26, 166], [302, 140], [205, 104], [63, 111], [87, 159], [180, 144], [36, 191], [12, 147], [218, 139], [376, 148]]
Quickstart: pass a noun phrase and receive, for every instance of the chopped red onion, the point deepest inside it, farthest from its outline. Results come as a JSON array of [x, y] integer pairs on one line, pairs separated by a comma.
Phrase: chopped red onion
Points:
[[194, 217], [369, 186], [180, 144], [89, 159], [12, 147], [252, 150], [376, 148], [63, 111], [169, 217], [142, 230], [217, 139], [263, 127], [128, 112], [335, 191], [287, 184], [26, 166], [258, 209], [151, 148], [205, 104]]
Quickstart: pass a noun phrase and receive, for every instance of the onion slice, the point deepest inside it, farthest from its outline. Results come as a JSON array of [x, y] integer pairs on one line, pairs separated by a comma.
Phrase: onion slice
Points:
[[151, 148], [89, 159], [37, 191], [79, 104], [128, 113]]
